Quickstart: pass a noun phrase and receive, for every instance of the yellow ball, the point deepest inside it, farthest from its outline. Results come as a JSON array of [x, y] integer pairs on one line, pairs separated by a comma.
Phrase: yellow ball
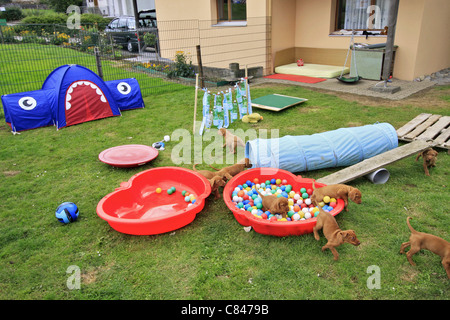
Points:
[[332, 200], [278, 181], [321, 204], [158, 190], [326, 199]]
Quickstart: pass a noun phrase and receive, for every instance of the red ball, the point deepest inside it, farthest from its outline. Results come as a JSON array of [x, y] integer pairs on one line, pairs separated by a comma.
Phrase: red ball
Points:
[[273, 218], [264, 216], [245, 197], [309, 191], [333, 204]]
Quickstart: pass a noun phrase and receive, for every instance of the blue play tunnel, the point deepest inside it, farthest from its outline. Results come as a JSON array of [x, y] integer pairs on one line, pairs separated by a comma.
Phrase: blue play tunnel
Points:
[[338, 148]]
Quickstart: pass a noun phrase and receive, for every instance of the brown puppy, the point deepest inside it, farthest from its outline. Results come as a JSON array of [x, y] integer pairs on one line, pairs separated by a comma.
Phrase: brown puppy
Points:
[[230, 171], [420, 240], [216, 180], [336, 191], [231, 141], [274, 204], [333, 233], [429, 159]]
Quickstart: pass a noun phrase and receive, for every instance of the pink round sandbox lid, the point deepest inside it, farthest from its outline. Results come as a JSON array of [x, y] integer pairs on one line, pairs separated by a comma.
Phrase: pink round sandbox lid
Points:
[[129, 155]]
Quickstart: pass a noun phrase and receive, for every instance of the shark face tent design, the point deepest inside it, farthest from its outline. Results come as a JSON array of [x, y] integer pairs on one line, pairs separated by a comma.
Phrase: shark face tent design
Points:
[[70, 95]]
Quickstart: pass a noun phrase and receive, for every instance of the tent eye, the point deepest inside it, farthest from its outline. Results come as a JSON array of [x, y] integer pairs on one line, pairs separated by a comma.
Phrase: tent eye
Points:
[[124, 88], [27, 103]]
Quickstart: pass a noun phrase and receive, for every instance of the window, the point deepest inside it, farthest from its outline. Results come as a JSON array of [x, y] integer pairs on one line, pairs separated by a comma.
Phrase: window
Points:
[[362, 14], [232, 10]]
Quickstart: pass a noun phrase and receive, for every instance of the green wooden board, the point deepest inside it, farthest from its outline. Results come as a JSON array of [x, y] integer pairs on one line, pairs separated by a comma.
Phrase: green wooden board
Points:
[[276, 102]]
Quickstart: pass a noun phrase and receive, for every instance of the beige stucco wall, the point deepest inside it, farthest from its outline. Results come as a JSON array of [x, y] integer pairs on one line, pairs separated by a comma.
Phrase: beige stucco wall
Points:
[[184, 24], [421, 32]]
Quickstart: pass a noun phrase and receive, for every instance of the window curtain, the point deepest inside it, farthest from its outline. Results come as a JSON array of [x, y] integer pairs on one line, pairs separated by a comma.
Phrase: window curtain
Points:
[[358, 12]]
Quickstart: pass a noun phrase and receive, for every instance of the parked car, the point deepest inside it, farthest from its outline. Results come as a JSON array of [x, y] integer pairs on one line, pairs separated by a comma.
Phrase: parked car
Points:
[[124, 32]]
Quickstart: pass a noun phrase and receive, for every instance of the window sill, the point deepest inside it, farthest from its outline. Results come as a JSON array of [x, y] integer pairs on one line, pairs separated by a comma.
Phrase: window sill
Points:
[[230, 24], [348, 33]]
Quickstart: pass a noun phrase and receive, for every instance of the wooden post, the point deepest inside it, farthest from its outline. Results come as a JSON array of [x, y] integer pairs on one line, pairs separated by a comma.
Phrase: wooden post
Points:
[[200, 65], [99, 63], [246, 85], [388, 55], [195, 104]]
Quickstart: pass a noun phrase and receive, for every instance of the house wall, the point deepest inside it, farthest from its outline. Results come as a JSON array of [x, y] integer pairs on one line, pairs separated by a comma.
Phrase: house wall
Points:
[[421, 32], [191, 25]]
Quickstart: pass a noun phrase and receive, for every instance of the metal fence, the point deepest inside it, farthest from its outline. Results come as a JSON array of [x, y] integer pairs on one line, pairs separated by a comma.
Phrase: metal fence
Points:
[[28, 53]]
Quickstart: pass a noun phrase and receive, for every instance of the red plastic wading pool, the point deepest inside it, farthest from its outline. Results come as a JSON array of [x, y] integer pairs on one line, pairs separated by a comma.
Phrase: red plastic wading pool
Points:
[[263, 226], [137, 208]]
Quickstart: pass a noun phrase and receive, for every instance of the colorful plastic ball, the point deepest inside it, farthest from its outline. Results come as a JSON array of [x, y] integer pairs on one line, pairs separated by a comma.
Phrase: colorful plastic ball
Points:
[[67, 212], [303, 190], [278, 181], [295, 217], [308, 201], [273, 218], [307, 215], [158, 190], [333, 204], [305, 195], [264, 215], [296, 196], [326, 199], [309, 191], [187, 199], [273, 181]]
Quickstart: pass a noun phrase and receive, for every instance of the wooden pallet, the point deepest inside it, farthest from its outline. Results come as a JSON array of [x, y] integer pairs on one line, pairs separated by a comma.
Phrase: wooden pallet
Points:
[[429, 127], [370, 165]]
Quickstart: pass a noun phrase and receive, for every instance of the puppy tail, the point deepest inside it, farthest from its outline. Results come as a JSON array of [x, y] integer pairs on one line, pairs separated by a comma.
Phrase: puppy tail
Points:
[[193, 167], [409, 225], [313, 185], [213, 167]]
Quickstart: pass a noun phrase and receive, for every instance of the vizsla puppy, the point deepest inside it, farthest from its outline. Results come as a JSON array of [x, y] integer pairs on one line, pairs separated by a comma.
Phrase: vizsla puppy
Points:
[[216, 180], [231, 141], [429, 159], [333, 233], [274, 204], [230, 171], [420, 240], [336, 191], [220, 177]]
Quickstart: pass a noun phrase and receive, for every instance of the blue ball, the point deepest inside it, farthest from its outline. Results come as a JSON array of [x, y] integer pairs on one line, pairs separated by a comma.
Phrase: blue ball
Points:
[[67, 212], [273, 181]]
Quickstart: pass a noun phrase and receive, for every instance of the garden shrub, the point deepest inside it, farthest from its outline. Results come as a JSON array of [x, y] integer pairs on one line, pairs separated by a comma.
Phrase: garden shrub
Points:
[[11, 14]]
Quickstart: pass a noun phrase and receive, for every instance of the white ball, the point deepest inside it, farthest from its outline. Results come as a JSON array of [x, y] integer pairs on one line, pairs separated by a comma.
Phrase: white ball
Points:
[[235, 198], [307, 215], [299, 201], [308, 201], [254, 211], [305, 210], [295, 217], [296, 196], [166, 138]]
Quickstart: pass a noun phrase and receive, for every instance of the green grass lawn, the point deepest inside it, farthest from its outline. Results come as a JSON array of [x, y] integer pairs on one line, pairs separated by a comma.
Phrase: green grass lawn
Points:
[[213, 257]]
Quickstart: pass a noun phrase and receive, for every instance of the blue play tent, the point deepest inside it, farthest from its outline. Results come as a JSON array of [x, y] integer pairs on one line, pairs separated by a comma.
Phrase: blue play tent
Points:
[[70, 95], [336, 148]]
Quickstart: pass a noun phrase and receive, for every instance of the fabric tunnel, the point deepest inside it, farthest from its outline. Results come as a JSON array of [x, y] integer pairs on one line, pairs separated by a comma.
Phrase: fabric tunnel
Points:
[[337, 148]]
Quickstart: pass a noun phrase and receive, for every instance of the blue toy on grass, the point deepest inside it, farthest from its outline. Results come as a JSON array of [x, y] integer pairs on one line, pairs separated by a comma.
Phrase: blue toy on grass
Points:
[[67, 212]]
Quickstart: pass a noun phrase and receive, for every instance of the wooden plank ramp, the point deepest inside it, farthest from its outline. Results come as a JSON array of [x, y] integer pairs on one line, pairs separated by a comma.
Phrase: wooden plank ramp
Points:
[[370, 165], [428, 127]]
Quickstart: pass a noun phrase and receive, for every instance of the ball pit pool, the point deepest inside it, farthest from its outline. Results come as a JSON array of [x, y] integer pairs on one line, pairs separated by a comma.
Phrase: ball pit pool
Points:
[[155, 201], [301, 218]]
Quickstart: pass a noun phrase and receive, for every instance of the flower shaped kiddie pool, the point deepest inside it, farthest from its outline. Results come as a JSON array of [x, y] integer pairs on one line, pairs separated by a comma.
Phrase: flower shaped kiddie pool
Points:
[[155, 201], [265, 226]]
